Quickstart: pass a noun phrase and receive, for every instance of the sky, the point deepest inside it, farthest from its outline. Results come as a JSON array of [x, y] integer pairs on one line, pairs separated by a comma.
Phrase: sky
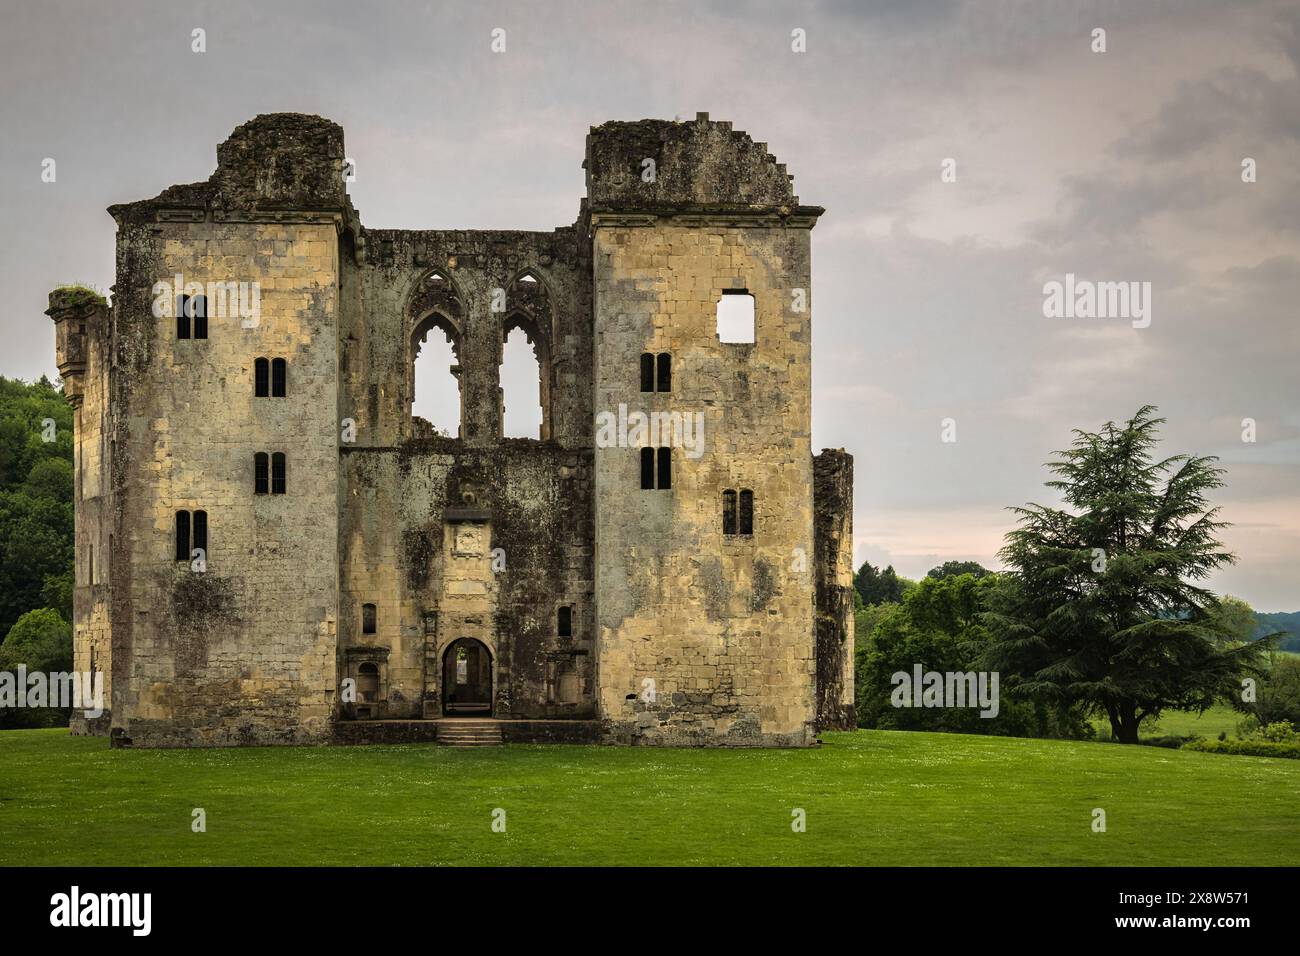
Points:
[[928, 295]]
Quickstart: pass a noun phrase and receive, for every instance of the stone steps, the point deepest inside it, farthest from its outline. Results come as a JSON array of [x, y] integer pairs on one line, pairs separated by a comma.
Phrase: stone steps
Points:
[[470, 733]]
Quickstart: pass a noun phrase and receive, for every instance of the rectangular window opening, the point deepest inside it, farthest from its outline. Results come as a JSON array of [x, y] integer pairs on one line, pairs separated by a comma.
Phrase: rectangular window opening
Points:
[[736, 317], [746, 512]]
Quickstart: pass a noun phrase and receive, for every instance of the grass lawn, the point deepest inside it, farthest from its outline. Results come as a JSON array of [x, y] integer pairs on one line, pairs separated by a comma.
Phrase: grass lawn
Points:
[[1184, 723], [872, 797]]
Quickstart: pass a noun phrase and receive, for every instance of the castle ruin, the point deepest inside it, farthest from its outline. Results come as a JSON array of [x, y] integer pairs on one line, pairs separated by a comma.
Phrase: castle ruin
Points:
[[272, 549]]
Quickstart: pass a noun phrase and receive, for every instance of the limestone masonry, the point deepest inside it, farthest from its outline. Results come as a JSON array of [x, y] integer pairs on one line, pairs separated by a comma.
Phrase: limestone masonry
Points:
[[272, 549]]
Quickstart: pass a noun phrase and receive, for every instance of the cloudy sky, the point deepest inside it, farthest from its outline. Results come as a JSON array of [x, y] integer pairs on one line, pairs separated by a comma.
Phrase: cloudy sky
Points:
[[928, 296]]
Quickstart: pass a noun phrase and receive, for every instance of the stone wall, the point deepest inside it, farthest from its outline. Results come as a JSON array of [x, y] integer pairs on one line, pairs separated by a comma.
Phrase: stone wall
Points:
[[532, 497], [83, 327], [243, 652], [720, 623], [470, 534], [833, 537]]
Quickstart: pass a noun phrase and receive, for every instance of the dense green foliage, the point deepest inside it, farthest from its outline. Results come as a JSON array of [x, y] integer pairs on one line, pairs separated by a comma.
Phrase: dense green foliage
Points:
[[950, 569], [1102, 608], [939, 626], [880, 587], [1249, 748], [36, 535], [1278, 693]]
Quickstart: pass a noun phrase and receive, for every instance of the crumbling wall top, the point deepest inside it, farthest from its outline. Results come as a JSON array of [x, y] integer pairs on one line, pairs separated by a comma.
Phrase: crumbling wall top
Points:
[[290, 160], [700, 165], [274, 162]]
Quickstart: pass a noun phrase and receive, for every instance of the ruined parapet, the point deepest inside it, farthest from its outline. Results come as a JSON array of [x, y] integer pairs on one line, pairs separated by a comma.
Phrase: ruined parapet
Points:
[[76, 312], [271, 167], [662, 166], [281, 160], [833, 581]]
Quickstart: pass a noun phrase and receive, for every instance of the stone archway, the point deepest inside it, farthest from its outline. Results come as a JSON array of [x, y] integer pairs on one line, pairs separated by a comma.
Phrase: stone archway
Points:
[[467, 674]]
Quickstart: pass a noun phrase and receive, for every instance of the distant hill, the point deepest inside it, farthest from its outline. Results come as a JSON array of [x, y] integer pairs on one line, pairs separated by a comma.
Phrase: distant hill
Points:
[[1288, 621]]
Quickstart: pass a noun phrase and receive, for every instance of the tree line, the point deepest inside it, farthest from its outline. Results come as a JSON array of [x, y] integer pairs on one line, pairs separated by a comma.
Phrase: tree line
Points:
[[36, 537], [1101, 610]]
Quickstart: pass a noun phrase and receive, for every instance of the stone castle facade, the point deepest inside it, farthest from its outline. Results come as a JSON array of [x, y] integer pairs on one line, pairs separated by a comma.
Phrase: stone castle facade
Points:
[[273, 549]]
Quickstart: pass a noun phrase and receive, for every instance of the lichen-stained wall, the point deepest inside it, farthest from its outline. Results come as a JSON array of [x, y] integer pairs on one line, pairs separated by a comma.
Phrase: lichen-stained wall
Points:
[[397, 482], [721, 624], [530, 504], [676, 632], [833, 536], [82, 337], [480, 300], [245, 651]]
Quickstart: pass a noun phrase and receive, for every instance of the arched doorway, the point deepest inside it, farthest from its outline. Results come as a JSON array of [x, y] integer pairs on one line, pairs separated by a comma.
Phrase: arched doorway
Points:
[[467, 678]]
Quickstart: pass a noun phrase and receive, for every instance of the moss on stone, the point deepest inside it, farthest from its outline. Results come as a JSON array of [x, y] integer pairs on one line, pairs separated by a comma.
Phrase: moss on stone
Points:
[[77, 295]]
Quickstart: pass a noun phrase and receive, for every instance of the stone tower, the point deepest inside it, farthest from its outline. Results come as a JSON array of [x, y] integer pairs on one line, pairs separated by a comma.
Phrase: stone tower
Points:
[[273, 549]]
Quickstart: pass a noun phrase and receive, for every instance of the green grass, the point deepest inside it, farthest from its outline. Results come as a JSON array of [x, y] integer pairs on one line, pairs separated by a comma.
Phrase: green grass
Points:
[[872, 797], [1184, 723]]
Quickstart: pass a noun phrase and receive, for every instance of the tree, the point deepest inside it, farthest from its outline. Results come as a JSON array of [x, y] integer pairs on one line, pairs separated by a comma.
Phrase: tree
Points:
[[1237, 618], [1279, 693], [1102, 606], [950, 569], [40, 640], [867, 583], [36, 526], [939, 626], [880, 587]]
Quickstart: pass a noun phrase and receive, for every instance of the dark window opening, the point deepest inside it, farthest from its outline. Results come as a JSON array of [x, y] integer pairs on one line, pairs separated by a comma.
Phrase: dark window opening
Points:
[[277, 473], [665, 468], [279, 372], [193, 308], [564, 622], [261, 471], [201, 531], [182, 317], [729, 512], [647, 372], [664, 382], [746, 512], [261, 378], [647, 468], [367, 619], [182, 536]]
